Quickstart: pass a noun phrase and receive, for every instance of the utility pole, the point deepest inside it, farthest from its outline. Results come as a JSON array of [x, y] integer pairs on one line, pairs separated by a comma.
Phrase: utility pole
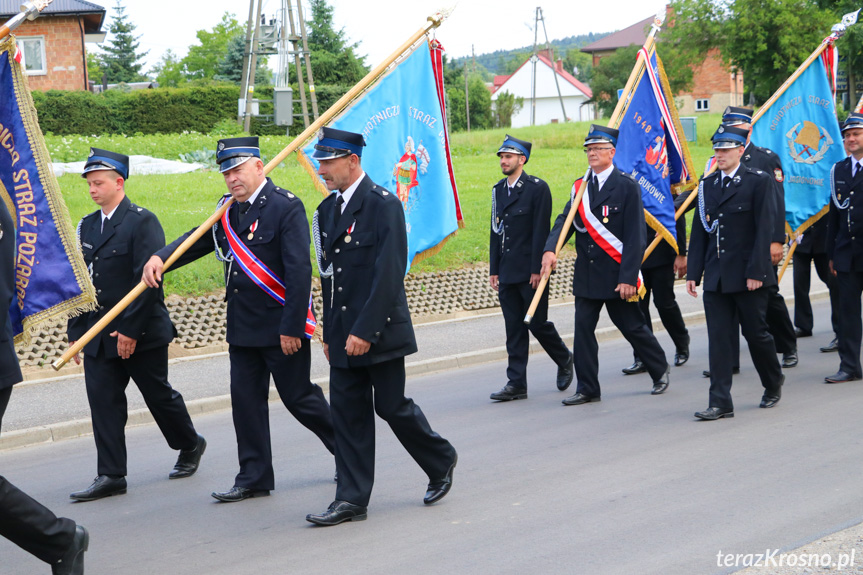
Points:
[[253, 63], [306, 56], [466, 98], [245, 77], [300, 82], [551, 57], [533, 60]]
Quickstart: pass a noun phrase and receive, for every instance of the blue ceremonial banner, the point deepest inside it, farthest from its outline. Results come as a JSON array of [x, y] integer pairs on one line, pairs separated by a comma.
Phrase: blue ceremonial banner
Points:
[[650, 147], [51, 280], [402, 119], [801, 127]]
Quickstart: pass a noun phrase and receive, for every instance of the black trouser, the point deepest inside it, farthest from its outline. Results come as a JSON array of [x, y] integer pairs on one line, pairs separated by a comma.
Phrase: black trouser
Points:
[[660, 281], [32, 526], [106, 380], [251, 368], [356, 395], [849, 286], [750, 307], [627, 317], [4, 401], [515, 300], [803, 317]]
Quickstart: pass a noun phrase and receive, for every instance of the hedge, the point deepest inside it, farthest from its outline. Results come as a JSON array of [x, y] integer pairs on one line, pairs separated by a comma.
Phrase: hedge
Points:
[[161, 110]]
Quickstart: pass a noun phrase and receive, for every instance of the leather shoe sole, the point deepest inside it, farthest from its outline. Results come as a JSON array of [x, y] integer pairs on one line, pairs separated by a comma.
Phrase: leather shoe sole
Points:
[[680, 358], [101, 488], [508, 393], [189, 460], [713, 413], [438, 489], [789, 360], [635, 368]]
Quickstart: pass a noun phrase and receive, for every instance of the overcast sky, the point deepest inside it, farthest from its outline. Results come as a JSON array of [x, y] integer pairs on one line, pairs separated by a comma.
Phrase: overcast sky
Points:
[[382, 26]]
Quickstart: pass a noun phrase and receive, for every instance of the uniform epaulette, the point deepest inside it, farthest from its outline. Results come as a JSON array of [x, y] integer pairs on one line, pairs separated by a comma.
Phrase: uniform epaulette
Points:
[[285, 193], [379, 190], [135, 209], [627, 174]]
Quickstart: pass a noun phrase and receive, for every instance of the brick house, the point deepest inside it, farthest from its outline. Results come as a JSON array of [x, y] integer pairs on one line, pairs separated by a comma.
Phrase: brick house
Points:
[[714, 86], [53, 45]]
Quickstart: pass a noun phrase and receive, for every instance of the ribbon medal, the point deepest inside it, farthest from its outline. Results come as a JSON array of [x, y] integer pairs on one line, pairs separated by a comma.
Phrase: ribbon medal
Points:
[[350, 230], [605, 214], [252, 229]]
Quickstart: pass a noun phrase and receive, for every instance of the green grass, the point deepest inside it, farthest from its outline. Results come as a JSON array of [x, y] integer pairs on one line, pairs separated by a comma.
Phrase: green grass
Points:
[[184, 201]]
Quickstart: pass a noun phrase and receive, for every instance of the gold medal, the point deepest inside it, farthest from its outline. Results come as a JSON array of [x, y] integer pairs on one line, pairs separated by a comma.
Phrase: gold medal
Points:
[[348, 239], [708, 217], [251, 236], [605, 220]]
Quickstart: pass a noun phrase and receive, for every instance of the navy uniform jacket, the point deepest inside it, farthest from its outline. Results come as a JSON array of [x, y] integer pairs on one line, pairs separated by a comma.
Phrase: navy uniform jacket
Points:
[[844, 226], [366, 295], [814, 239], [10, 372], [525, 216], [664, 254], [745, 213], [765, 160], [281, 242], [116, 258], [596, 273]]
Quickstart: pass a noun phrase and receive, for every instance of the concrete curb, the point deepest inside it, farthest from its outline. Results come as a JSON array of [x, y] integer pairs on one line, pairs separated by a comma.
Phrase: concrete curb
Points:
[[78, 428]]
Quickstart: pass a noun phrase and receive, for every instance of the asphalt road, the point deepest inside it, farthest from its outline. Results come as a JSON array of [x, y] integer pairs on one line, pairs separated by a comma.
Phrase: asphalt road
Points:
[[631, 485]]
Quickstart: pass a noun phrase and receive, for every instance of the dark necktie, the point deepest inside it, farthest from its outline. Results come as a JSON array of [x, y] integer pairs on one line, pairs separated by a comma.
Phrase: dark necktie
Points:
[[594, 185], [244, 207], [856, 169], [726, 181], [340, 201]]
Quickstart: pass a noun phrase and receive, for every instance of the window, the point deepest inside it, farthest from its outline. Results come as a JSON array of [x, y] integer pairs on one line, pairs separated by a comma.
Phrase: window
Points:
[[33, 49], [702, 105]]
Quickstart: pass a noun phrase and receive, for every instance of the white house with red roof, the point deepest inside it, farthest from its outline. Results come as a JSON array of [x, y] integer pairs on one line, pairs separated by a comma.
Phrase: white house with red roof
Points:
[[575, 94]]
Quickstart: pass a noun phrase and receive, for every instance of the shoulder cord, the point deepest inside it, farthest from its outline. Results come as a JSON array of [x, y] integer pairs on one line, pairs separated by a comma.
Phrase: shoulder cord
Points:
[[316, 234]]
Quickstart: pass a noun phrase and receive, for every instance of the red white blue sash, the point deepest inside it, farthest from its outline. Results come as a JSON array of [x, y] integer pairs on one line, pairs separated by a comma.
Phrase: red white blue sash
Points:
[[259, 273], [603, 237]]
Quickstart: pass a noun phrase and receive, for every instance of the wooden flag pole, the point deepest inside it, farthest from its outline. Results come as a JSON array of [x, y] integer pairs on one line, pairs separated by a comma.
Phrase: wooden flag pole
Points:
[[614, 121], [29, 11], [434, 21]]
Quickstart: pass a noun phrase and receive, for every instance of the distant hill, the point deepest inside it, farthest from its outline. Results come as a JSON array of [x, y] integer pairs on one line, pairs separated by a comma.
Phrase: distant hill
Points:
[[495, 62]]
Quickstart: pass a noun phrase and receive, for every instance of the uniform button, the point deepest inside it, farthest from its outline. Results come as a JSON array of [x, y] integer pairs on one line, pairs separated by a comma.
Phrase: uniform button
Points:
[[377, 334], [507, 249], [388, 320], [723, 251], [339, 289], [96, 258], [95, 275], [338, 250], [722, 226], [101, 307], [235, 273], [236, 291], [720, 215], [344, 308], [113, 251], [505, 215], [339, 270], [100, 291]]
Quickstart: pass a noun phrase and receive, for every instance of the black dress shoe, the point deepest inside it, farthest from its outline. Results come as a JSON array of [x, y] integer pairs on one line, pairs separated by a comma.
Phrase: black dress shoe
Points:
[[72, 562], [832, 346], [189, 460], [565, 373], [840, 377], [771, 398], [789, 359], [681, 357], [802, 332], [239, 493], [661, 385], [734, 371], [580, 398], [339, 512], [636, 367], [509, 392], [103, 486], [438, 489], [712, 413]]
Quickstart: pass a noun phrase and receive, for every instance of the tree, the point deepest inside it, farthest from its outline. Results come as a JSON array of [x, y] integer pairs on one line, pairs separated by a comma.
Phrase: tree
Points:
[[121, 61], [168, 71], [334, 60], [203, 58], [94, 67], [611, 75], [230, 67], [506, 105], [850, 47], [578, 63]]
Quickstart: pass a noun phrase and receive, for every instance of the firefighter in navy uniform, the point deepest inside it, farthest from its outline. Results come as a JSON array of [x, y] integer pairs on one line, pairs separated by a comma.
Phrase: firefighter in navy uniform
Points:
[[361, 245], [812, 249], [521, 210], [730, 248], [266, 336], [116, 242], [599, 281], [23, 520], [845, 251]]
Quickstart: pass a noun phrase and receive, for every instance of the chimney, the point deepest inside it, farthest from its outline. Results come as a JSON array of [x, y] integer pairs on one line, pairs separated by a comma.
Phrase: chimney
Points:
[[558, 66]]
